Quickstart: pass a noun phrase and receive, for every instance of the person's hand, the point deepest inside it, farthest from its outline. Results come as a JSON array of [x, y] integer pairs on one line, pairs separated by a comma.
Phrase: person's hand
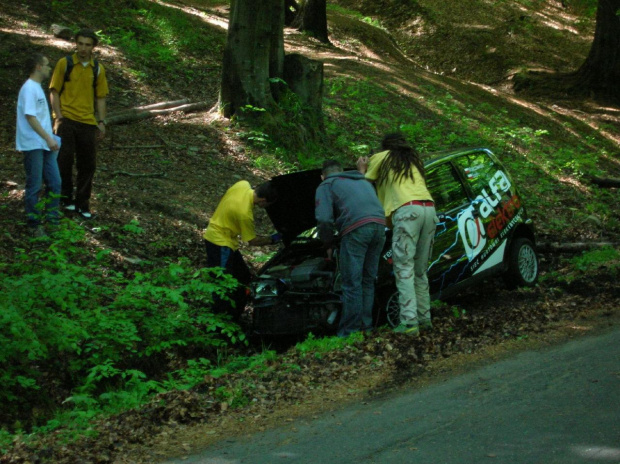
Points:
[[101, 127], [362, 164], [51, 143]]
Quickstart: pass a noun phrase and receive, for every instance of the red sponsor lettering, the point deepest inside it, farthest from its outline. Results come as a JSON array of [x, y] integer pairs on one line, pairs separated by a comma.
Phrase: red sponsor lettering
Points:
[[505, 213]]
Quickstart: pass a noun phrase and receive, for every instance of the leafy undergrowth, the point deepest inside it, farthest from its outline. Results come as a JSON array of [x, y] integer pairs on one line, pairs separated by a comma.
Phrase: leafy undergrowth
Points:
[[373, 363]]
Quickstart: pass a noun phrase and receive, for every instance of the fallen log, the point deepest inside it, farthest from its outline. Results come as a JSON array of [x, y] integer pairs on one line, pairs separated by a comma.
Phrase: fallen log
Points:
[[132, 147], [62, 32], [138, 114], [134, 174], [161, 105], [605, 182], [575, 247]]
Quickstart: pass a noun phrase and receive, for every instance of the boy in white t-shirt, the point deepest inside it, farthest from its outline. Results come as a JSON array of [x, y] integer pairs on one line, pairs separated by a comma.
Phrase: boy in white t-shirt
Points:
[[35, 139]]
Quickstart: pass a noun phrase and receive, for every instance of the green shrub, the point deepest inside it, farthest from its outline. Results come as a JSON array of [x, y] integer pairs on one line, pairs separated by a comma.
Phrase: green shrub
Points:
[[69, 323]]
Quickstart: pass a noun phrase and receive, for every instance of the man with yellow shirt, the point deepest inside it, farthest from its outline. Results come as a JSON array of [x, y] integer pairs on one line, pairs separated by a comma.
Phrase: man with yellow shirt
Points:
[[398, 172], [233, 220], [79, 106]]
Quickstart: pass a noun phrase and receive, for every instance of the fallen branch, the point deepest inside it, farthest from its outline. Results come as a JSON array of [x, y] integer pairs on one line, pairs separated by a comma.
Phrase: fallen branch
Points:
[[138, 114], [162, 105], [134, 174], [605, 182], [555, 247]]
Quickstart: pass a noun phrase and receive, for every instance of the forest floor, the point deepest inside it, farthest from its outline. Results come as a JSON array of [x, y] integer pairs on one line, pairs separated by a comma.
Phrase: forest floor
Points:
[[168, 174]]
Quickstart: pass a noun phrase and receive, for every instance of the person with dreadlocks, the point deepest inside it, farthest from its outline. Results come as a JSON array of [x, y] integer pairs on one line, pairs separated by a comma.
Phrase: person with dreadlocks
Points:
[[398, 173]]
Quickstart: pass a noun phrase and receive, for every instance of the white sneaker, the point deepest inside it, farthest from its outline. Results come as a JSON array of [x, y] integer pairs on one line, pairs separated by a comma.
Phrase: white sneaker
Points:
[[69, 207], [85, 214]]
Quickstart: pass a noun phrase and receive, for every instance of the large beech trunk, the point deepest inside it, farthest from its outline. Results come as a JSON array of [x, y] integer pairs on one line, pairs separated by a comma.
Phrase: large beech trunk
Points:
[[254, 54], [600, 73], [312, 19]]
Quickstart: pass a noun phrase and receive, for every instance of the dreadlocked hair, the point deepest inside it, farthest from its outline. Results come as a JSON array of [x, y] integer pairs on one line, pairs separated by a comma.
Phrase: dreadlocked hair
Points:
[[400, 160]]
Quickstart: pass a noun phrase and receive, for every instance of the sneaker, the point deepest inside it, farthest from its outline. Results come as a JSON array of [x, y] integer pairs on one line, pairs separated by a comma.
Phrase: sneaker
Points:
[[408, 329], [85, 214], [69, 207], [38, 232]]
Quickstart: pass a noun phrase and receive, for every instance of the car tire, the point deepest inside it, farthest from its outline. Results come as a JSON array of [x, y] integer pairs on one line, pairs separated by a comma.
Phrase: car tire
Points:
[[384, 305], [522, 264], [392, 310]]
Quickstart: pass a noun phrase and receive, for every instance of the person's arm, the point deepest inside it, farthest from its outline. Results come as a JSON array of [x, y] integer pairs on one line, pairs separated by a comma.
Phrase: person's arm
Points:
[[56, 84], [247, 231], [324, 214], [101, 112], [260, 240], [55, 101], [362, 164], [36, 126]]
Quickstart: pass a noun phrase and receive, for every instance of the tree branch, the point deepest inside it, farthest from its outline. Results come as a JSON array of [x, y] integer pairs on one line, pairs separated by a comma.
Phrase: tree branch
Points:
[[134, 174], [605, 182]]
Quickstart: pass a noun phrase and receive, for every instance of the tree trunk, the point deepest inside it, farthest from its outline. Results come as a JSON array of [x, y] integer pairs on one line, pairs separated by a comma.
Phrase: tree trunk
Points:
[[600, 73], [291, 8], [305, 77], [312, 18], [254, 54]]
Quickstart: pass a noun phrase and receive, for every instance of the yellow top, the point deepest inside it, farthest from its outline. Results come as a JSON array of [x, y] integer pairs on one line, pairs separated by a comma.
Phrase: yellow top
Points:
[[391, 195], [77, 100], [233, 217]]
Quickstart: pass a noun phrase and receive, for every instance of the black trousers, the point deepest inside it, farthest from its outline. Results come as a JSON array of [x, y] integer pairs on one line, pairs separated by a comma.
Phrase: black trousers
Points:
[[233, 264], [79, 146]]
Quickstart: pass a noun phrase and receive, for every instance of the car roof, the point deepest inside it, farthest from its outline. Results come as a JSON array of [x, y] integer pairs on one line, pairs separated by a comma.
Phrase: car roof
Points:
[[440, 156]]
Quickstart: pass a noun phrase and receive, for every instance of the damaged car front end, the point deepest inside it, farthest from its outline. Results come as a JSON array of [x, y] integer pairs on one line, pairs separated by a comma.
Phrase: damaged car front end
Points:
[[297, 292]]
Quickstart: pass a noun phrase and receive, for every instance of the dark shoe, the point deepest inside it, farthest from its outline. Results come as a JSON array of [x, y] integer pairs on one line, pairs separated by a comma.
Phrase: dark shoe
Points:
[[85, 214], [426, 326], [38, 232]]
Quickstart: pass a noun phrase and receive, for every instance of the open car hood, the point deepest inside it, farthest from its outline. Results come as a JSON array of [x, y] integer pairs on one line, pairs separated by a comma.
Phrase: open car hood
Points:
[[293, 213]]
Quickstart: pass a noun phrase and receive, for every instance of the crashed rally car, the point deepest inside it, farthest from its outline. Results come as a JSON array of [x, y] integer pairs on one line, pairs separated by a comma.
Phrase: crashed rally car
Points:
[[483, 231]]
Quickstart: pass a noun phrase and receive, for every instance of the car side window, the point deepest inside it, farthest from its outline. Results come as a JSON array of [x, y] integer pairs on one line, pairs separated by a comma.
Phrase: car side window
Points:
[[447, 190], [478, 169]]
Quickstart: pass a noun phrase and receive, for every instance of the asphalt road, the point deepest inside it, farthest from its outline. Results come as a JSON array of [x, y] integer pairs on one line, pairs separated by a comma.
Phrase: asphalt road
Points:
[[557, 405]]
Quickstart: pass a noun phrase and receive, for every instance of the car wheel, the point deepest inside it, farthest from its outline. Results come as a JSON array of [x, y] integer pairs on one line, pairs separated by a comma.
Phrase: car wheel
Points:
[[522, 265], [392, 310], [386, 309]]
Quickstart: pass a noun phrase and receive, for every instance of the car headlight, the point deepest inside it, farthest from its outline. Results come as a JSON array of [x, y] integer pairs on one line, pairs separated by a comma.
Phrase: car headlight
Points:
[[265, 288]]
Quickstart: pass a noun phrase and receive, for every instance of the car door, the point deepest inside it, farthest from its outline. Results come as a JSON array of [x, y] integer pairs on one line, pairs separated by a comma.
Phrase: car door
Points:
[[495, 209], [448, 262]]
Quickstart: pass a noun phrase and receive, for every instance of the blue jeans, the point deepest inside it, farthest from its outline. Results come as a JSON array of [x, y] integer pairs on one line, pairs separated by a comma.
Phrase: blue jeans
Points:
[[41, 166], [360, 251]]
